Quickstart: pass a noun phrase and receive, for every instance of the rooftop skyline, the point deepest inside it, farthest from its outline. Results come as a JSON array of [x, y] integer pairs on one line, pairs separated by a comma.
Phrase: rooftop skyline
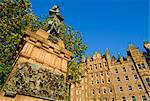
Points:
[[112, 24]]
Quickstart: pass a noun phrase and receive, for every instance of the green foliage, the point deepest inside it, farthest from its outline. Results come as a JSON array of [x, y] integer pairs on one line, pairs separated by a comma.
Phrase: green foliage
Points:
[[15, 17], [146, 42], [74, 43], [3, 73]]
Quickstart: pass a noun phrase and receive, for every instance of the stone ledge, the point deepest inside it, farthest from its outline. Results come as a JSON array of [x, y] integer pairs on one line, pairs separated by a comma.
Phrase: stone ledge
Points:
[[34, 36]]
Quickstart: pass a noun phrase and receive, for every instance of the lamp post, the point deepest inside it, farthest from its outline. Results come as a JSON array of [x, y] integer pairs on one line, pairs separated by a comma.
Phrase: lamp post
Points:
[[69, 80]]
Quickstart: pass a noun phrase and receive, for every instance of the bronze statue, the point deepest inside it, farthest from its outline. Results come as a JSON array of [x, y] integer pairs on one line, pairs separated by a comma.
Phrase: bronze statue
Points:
[[56, 26]]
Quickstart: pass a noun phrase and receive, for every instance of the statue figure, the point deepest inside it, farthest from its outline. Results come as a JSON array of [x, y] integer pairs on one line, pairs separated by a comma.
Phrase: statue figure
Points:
[[55, 24]]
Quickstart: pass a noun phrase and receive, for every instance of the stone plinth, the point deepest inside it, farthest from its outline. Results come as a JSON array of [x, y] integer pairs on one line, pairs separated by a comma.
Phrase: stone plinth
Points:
[[38, 50]]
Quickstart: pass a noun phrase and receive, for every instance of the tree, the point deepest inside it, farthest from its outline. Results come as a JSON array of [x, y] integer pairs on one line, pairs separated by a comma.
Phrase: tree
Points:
[[74, 43], [15, 17]]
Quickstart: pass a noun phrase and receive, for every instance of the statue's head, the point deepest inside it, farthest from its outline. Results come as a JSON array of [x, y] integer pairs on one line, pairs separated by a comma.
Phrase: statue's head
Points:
[[54, 9]]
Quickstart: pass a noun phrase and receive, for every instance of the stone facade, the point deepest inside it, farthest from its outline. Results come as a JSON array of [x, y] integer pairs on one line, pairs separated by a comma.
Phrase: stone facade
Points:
[[51, 58], [122, 79]]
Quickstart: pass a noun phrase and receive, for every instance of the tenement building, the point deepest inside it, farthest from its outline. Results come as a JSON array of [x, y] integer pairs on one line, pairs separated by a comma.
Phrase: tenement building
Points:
[[109, 79]]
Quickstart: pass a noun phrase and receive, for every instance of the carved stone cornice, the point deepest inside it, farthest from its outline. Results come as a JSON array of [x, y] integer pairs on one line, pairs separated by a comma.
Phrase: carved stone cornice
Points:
[[42, 37]]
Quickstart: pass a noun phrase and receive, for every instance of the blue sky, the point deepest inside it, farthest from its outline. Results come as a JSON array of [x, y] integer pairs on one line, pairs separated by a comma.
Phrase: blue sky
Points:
[[112, 24]]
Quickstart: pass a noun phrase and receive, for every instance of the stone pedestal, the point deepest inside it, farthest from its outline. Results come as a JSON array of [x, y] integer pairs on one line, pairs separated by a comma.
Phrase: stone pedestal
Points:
[[40, 54]]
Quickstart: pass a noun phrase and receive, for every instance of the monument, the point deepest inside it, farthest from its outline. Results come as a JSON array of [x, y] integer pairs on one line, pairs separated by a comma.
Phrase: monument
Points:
[[39, 72]]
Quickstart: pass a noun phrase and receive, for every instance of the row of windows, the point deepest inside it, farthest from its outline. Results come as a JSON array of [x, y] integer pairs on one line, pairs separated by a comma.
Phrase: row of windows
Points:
[[124, 69], [140, 66], [98, 65], [134, 98], [102, 81], [127, 78], [104, 91], [130, 87], [105, 99], [101, 74]]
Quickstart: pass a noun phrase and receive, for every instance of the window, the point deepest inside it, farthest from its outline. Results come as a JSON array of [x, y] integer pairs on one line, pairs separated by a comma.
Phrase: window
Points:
[[92, 82], [143, 65], [116, 70], [132, 67], [101, 73], [96, 74], [135, 77], [129, 87], [108, 80], [110, 90], [102, 81], [123, 98], [148, 82], [144, 98], [121, 89], [93, 91], [139, 87], [105, 99], [99, 90], [139, 66], [91, 75], [106, 73], [97, 81], [100, 65], [133, 98], [126, 77], [95, 66], [118, 78], [112, 99], [124, 69], [104, 90]]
